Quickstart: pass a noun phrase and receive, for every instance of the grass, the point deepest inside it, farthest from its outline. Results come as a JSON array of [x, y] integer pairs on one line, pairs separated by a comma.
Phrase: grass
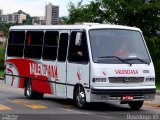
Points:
[[1, 73], [158, 86], [157, 70]]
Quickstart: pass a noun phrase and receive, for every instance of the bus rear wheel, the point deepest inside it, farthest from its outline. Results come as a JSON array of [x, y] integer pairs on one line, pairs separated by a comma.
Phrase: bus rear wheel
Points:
[[135, 105], [80, 98], [30, 94]]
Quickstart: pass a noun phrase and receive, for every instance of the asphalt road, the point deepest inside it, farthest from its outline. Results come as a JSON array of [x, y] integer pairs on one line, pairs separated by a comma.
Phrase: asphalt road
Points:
[[14, 106]]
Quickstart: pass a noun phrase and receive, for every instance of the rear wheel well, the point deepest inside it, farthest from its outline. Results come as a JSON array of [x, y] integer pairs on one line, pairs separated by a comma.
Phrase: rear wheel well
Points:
[[26, 80]]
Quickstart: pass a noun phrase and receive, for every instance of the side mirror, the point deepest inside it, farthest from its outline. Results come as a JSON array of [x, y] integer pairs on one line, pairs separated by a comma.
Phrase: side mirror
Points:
[[78, 39]]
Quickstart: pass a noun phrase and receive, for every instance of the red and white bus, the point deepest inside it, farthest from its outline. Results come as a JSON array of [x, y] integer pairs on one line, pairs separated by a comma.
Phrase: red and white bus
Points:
[[87, 63]]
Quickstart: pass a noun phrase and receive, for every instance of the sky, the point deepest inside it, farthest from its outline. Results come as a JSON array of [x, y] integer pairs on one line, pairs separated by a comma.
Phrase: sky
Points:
[[35, 7]]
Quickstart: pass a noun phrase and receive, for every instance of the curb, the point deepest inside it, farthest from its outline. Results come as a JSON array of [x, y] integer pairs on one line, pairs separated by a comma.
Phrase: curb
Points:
[[158, 92]]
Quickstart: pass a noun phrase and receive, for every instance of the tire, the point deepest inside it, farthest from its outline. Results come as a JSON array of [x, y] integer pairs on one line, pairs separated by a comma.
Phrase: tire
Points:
[[80, 98], [39, 95], [30, 94], [135, 105]]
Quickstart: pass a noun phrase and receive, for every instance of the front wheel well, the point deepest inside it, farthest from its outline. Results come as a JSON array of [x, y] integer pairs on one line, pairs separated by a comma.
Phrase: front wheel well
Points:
[[75, 88]]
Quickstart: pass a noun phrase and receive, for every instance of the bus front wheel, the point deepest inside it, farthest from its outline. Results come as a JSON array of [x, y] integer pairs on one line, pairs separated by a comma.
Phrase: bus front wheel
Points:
[[80, 97], [135, 105]]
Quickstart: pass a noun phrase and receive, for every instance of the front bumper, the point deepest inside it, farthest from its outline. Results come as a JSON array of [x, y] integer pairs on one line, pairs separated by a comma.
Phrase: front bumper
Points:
[[103, 95]]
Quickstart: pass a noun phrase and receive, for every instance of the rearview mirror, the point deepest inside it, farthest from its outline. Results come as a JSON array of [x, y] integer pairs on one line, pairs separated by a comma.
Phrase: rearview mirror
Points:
[[78, 39]]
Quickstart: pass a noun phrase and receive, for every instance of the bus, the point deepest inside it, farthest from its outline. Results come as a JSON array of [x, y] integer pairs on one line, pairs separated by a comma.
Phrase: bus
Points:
[[83, 62]]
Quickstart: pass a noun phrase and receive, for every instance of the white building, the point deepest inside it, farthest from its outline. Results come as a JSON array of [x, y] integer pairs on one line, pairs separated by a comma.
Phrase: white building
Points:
[[18, 18], [38, 20], [13, 18], [52, 14], [1, 12]]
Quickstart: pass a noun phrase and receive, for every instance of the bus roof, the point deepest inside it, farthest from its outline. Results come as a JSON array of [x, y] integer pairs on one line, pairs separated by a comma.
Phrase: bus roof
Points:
[[82, 26]]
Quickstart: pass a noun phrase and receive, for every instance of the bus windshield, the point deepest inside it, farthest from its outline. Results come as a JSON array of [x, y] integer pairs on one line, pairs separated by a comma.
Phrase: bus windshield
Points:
[[117, 46]]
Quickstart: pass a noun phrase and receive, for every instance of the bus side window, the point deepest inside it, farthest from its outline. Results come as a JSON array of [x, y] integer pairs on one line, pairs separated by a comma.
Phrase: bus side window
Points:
[[34, 42], [63, 44], [16, 43], [78, 53], [50, 45]]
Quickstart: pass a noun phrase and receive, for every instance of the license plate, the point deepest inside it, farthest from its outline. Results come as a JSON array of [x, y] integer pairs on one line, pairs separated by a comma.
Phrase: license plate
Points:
[[127, 98]]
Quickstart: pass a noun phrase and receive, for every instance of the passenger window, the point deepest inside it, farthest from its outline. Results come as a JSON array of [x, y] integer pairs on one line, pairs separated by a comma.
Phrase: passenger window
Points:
[[78, 52], [63, 44], [50, 45], [34, 42], [16, 43]]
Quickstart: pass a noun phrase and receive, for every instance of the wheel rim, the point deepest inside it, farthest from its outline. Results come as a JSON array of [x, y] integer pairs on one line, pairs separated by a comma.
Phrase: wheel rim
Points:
[[80, 99], [29, 89]]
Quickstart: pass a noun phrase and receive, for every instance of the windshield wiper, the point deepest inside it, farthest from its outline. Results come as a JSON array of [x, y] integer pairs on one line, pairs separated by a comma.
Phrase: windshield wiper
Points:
[[141, 60], [124, 61]]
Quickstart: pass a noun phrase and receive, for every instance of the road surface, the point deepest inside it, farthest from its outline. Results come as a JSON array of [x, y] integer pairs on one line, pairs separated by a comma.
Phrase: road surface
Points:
[[14, 106]]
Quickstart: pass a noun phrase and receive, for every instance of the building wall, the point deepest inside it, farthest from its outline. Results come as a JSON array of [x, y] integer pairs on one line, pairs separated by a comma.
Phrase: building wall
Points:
[[52, 14], [21, 17], [49, 14], [4, 18], [14, 18], [1, 12], [55, 15]]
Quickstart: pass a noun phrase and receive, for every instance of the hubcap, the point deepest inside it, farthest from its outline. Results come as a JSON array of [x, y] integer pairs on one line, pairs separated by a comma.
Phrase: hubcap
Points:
[[29, 89], [81, 98]]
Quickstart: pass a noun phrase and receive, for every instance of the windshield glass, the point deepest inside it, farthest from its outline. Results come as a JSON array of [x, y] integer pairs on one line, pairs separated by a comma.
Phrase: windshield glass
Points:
[[109, 44]]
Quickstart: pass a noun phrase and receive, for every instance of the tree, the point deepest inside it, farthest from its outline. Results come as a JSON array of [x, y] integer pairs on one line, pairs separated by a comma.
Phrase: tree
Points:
[[144, 14], [85, 13], [5, 28], [28, 20]]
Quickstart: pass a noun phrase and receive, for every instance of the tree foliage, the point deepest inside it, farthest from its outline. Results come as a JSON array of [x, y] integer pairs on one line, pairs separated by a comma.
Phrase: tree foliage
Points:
[[144, 14]]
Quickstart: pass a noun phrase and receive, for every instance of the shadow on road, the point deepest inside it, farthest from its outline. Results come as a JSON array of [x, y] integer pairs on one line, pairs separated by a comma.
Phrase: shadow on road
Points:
[[91, 106]]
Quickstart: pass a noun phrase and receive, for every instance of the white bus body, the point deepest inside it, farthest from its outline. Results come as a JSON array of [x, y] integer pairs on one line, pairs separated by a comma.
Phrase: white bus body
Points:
[[80, 62]]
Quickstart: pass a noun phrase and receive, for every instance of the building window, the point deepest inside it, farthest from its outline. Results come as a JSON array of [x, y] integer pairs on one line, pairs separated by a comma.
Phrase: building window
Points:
[[16, 43], [33, 46], [50, 45]]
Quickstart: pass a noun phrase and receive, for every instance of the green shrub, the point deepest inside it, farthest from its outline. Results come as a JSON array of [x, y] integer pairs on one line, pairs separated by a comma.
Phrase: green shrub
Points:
[[157, 70], [2, 54]]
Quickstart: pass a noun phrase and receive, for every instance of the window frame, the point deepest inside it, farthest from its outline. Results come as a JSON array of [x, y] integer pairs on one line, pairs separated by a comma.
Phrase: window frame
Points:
[[79, 62], [143, 40], [55, 30], [23, 44], [63, 31], [34, 30]]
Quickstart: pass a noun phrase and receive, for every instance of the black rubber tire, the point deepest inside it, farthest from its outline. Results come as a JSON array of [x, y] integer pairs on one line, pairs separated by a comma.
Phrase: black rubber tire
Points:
[[30, 94], [39, 95], [80, 98], [28, 91], [135, 105]]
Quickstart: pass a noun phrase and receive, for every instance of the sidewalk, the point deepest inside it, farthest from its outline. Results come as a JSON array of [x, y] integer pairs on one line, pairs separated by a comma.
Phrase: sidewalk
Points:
[[157, 92]]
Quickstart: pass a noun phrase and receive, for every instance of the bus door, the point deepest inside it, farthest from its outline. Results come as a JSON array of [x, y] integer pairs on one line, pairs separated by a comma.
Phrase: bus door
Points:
[[61, 64], [78, 62]]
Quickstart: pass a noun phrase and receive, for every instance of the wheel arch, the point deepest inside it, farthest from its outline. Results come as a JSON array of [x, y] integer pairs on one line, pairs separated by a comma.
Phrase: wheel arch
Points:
[[76, 87]]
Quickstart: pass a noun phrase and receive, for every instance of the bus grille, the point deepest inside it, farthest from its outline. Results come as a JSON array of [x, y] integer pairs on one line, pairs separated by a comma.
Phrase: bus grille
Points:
[[126, 79]]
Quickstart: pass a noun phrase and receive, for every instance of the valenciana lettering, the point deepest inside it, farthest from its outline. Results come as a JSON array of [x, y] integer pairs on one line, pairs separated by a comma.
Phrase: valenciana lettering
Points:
[[126, 71], [43, 70]]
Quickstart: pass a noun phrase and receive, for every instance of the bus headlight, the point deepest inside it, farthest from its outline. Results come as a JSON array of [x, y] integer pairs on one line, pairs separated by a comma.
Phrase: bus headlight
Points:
[[150, 79], [99, 80]]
